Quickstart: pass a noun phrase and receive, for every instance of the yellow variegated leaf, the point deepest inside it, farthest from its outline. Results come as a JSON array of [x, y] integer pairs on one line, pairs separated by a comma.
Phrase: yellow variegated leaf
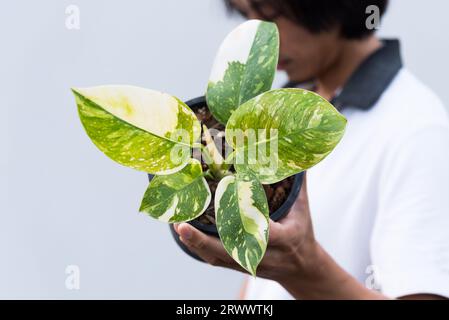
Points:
[[178, 197], [140, 128], [242, 217], [243, 68], [283, 132]]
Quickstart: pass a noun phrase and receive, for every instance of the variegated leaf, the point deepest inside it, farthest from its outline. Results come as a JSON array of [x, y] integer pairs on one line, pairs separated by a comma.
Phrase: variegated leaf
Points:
[[242, 217], [178, 197], [140, 128], [244, 67], [283, 132]]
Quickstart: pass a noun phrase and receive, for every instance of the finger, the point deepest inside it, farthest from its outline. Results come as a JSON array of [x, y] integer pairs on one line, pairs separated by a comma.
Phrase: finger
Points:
[[303, 197], [297, 219], [228, 262], [275, 233], [300, 208], [207, 247]]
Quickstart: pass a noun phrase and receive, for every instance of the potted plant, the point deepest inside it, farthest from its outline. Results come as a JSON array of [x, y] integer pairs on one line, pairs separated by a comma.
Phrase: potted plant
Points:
[[270, 136]]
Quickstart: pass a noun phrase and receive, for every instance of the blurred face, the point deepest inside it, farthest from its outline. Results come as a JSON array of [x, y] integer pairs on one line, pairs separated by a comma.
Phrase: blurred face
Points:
[[303, 55]]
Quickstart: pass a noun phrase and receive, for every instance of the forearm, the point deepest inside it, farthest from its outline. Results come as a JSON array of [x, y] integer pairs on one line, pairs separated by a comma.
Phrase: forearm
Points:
[[320, 277]]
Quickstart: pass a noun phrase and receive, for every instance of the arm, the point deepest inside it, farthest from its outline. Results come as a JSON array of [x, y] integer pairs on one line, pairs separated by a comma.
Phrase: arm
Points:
[[307, 271]]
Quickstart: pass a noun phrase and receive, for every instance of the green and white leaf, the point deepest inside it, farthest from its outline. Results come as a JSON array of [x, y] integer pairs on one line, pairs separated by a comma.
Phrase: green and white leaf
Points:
[[283, 132], [140, 128], [242, 217], [243, 68], [177, 197]]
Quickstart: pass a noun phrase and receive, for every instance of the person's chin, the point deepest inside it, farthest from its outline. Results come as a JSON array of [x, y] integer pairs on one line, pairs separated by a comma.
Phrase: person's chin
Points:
[[297, 78], [294, 73]]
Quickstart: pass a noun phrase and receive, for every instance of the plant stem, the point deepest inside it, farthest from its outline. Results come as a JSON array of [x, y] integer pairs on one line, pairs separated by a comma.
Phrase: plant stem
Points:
[[215, 171], [229, 159], [208, 175], [217, 166], [207, 156]]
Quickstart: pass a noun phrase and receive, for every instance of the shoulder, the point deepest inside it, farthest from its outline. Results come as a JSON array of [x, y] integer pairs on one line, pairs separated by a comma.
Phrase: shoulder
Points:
[[410, 102], [411, 128], [408, 106]]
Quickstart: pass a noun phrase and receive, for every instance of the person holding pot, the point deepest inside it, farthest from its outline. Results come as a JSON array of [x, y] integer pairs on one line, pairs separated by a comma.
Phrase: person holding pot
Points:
[[372, 219]]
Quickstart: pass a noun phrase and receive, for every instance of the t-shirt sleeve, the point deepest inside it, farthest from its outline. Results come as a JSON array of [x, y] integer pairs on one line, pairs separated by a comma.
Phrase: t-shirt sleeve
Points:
[[410, 239]]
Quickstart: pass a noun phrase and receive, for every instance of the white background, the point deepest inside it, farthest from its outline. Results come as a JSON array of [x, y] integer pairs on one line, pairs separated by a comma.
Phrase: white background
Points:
[[64, 203]]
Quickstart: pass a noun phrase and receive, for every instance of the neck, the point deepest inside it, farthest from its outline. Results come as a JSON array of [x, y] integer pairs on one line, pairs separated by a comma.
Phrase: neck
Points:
[[351, 54]]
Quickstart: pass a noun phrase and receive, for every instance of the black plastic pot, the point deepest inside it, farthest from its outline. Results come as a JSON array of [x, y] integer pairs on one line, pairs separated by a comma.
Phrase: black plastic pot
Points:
[[211, 229]]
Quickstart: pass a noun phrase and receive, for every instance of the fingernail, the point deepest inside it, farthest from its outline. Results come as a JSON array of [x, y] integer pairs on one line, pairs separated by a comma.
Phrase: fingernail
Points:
[[186, 233]]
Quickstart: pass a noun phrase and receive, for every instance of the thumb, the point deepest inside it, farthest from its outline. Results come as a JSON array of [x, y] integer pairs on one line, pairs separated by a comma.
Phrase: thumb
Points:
[[300, 211], [301, 205], [303, 196], [275, 233]]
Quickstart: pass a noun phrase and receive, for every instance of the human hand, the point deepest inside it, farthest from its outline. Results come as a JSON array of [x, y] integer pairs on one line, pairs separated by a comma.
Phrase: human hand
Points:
[[290, 249]]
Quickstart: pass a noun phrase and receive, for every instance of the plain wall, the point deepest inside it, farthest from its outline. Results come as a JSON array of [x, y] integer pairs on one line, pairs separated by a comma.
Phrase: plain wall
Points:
[[62, 202]]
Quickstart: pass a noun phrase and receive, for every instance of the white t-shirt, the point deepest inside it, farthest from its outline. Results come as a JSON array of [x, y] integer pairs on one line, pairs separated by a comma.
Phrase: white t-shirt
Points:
[[380, 201]]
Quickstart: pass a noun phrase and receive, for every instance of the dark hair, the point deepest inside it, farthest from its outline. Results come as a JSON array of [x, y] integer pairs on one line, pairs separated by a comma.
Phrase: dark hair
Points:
[[320, 15]]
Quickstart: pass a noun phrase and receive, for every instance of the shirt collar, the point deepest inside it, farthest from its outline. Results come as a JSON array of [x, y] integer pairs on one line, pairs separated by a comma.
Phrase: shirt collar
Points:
[[371, 79]]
